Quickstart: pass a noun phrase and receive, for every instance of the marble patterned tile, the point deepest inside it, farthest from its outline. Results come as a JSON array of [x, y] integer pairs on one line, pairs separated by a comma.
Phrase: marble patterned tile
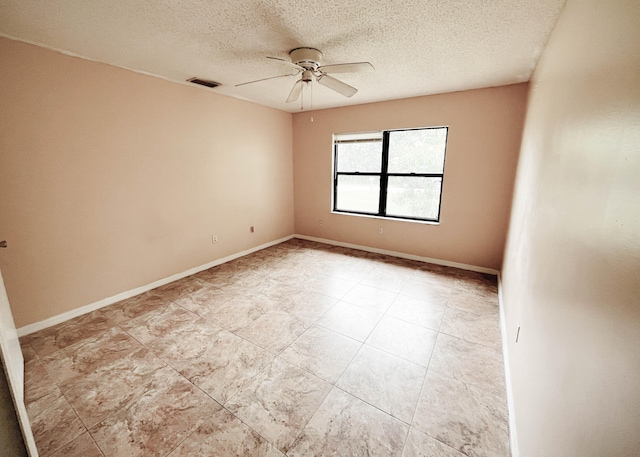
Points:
[[156, 422], [350, 320], [82, 446], [219, 363], [420, 444], [221, 277], [305, 306], [384, 381], [434, 274], [158, 323], [60, 336], [390, 281], [346, 426], [206, 299], [251, 283], [185, 343], [477, 327], [279, 402], [478, 283], [182, 287], [464, 417], [472, 363], [369, 297], [280, 291], [98, 394], [134, 306], [323, 352], [396, 266], [466, 300], [293, 274], [274, 330], [237, 311], [28, 353], [54, 422], [89, 354], [351, 271], [37, 382], [222, 434], [433, 293], [262, 286], [194, 294], [425, 313], [411, 342], [331, 286]]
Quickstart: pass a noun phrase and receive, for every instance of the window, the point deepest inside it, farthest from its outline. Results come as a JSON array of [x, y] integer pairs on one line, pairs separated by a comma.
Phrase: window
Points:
[[393, 173]]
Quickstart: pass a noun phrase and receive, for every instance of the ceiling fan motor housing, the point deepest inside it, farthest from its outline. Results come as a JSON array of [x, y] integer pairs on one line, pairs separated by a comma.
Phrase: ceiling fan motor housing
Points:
[[307, 58]]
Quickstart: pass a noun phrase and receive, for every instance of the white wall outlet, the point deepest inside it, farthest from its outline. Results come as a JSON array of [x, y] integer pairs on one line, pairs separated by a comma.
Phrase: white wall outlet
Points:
[[214, 238], [380, 230]]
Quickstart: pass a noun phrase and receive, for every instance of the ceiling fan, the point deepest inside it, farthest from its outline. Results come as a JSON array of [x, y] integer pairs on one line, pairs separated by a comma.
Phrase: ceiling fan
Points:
[[307, 63]]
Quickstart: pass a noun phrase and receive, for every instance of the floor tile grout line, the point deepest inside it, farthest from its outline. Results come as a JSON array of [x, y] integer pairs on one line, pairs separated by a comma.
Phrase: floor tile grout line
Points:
[[408, 425], [222, 407], [301, 428], [86, 430], [466, 384], [473, 342], [424, 381], [365, 401]]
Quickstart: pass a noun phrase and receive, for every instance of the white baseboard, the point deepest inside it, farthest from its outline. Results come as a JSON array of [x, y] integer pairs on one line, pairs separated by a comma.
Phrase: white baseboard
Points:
[[50, 322], [446, 263], [54, 320], [513, 435]]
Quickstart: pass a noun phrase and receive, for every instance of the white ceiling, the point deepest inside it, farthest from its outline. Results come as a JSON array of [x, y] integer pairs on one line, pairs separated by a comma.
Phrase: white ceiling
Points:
[[417, 47]]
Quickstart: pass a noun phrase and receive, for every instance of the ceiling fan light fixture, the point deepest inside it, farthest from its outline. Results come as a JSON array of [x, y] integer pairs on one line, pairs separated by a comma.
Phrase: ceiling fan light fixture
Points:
[[307, 76]]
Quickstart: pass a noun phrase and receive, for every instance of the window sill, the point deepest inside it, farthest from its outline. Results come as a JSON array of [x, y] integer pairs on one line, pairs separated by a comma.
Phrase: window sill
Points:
[[391, 219]]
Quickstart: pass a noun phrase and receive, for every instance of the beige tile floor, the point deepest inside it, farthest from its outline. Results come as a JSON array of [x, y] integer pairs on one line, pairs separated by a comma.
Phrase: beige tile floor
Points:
[[300, 349]]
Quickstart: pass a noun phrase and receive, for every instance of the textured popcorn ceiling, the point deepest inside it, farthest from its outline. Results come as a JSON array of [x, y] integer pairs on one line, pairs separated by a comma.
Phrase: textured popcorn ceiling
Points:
[[417, 47]]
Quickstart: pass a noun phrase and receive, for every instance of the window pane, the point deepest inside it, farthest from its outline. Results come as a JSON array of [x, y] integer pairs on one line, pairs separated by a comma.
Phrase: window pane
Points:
[[417, 151], [410, 196], [358, 193], [362, 157]]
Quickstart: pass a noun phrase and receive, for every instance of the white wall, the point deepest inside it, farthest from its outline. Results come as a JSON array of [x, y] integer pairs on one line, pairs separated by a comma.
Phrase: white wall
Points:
[[571, 275], [485, 128], [111, 180]]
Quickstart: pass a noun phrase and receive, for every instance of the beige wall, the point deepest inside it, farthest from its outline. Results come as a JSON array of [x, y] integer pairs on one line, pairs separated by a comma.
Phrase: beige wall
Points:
[[485, 128], [110, 180], [572, 266]]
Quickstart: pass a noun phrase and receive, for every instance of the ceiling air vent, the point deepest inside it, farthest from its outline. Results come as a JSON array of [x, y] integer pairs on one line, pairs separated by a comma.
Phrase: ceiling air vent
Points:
[[203, 82]]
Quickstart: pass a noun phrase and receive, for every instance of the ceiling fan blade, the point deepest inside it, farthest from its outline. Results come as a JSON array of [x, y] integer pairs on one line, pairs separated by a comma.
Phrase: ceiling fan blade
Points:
[[288, 62], [295, 91], [354, 67], [266, 79], [334, 84]]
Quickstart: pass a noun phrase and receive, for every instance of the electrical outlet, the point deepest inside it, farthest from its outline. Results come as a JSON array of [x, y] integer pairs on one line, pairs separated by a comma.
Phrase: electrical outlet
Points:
[[214, 238], [380, 230]]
